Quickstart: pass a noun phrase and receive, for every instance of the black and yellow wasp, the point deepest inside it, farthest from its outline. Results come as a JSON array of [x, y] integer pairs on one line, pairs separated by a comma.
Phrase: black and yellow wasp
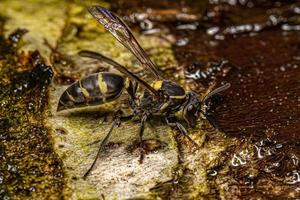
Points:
[[162, 97]]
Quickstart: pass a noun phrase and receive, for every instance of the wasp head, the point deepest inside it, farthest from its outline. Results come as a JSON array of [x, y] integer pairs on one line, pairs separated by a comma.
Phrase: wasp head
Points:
[[191, 109]]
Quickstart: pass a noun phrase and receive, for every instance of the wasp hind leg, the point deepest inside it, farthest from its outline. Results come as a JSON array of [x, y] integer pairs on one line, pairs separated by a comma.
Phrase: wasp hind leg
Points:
[[116, 123]]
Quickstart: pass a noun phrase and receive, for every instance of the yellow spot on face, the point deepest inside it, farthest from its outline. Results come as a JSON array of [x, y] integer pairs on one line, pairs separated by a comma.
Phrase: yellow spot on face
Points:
[[102, 84], [178, 114], [157, 85], [84, 91], [70, 96]]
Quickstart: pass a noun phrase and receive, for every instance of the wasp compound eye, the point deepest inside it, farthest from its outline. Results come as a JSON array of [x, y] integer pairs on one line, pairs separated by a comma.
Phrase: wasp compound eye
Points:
[[190, 108]]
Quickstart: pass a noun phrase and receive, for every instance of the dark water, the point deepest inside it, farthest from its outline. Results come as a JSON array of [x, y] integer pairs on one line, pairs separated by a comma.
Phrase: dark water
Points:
[[260, 44]]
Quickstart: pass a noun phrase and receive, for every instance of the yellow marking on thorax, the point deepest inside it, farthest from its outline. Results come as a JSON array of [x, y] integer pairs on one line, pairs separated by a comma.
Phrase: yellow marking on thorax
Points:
[[102, 85], [178, 97], [70, 96], [84, 91], [164, 106], [157, 84]]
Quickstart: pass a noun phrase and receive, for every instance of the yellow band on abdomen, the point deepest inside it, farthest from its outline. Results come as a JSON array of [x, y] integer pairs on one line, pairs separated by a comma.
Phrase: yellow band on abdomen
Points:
[[102, 84]]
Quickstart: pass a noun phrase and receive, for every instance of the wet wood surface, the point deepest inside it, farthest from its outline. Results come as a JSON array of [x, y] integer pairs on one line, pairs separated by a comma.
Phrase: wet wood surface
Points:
[[254, 153]]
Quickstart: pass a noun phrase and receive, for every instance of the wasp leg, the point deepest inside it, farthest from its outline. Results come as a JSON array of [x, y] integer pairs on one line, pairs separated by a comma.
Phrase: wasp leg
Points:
[[131, 90], [141, 133], [95, 142], [182, 130], [115, 123], [122, 119]]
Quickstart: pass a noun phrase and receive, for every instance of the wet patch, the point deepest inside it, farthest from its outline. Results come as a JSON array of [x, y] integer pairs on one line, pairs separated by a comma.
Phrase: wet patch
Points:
[[258, 44]]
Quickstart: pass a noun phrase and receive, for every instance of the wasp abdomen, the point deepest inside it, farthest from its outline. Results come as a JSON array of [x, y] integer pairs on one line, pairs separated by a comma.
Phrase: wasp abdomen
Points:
[[94, 89]]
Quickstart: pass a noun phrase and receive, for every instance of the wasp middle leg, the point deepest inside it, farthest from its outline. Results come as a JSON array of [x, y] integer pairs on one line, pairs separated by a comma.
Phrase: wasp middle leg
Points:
[[141, 133]]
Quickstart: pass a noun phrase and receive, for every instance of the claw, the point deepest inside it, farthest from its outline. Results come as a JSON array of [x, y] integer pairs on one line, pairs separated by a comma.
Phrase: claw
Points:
[[142, 152], [92, 143]]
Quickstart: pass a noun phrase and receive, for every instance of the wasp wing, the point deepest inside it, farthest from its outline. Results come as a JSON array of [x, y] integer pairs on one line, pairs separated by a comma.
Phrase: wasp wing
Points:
[[98, 56], [121, 32]]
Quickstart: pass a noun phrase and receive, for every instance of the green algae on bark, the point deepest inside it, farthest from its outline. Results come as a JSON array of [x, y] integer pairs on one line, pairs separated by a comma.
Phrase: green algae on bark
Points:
[[29, 167]]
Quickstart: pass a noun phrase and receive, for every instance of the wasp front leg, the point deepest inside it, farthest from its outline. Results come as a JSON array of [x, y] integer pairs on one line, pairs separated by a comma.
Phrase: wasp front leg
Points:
[[181, 128]]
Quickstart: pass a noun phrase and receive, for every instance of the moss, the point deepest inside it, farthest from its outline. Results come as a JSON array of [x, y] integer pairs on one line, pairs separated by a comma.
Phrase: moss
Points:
[[29, 167]]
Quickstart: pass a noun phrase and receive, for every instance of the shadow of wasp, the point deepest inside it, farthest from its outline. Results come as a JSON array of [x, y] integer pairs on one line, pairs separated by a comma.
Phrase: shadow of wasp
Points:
[[162, 97]]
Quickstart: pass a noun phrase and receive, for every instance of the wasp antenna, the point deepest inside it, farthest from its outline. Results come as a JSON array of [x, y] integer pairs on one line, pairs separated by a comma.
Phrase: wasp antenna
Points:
[[95, 55], [216, 91]]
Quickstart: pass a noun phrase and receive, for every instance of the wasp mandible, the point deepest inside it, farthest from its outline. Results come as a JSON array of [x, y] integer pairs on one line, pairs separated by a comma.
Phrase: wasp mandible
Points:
[[162, 97]]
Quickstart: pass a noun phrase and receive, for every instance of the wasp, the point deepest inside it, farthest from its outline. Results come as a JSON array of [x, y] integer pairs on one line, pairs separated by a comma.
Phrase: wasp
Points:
[[162, 97]]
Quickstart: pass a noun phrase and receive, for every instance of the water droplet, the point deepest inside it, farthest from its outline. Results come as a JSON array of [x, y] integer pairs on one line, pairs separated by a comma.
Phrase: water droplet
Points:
[[237, 161], [196, 75], [212, 30], [296, 10], [259, 154], [295, 160], [187, 26], [182, 42], [219, 37], [282, 68], [146, 24], [212, 173], [11, 168], [203, 74], [293, 177], [287, 27], [30, 106], [151, 31], [268, 169]]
